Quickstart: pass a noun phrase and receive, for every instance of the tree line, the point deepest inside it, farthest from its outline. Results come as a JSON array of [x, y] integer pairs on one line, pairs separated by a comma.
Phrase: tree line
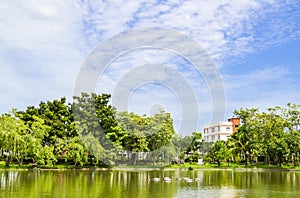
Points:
[[270, 137], [88, 130]]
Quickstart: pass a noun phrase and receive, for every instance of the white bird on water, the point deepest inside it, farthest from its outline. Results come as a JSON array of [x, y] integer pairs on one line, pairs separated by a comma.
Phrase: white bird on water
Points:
[[187, 179], [167, 179], [197, 179], [156, 179]]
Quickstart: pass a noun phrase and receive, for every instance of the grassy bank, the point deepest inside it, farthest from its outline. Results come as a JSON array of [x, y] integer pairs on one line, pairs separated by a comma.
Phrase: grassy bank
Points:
[[192, 166], [185, 166], [32, 166]]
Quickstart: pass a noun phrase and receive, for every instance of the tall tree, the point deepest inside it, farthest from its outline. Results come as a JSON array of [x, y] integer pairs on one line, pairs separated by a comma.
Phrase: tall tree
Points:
[[270, 126], [196, 142], [161, 130], [244, 139], [12, 141], [95, 116], [56, 114]]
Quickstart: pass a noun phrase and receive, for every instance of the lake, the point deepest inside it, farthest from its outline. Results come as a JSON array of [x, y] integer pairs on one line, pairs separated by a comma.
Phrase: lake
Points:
[[131, 184]]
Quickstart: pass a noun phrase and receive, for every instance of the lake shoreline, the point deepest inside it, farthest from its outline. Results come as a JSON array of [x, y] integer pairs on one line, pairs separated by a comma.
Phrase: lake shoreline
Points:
[[156, 169]]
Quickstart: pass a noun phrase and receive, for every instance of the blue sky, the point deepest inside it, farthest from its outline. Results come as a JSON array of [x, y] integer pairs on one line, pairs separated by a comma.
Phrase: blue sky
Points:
[[254, 44]]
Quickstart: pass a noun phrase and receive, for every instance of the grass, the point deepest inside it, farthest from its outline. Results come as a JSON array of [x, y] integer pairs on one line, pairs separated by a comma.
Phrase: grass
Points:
[[13, 166], [186, 166], [231, 166], [29, 166]]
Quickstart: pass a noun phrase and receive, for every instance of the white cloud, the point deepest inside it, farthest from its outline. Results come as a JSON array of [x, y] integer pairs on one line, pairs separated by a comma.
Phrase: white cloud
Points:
[[260, 89], [223, 29], [40, 45], [275, 74], [43, 43]]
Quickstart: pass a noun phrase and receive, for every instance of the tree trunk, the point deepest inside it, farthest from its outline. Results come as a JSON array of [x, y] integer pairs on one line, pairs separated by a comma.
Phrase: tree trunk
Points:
[[8, 161], [268, 159], [279, 160], [20, 162], [246, 157], [134, 158], [293, 161]]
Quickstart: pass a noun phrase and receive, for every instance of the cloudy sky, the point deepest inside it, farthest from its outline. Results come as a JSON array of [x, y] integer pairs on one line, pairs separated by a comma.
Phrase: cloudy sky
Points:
[[254, 45]]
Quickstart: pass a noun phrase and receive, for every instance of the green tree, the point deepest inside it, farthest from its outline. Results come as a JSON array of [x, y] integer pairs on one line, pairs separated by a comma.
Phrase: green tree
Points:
[[143, 134], [134, 129], [95, 116], [181, 145], [161, 130], [245, 139], [46, 156], [71, 150], [94, 147], [37, 131], [271, 129], [292, 116], [12, 139], [56, 114], [292, 139], [219, 152], [196, 142]]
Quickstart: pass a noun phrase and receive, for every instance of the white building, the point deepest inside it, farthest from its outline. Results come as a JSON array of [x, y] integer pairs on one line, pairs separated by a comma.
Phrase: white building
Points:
[[220, 130]]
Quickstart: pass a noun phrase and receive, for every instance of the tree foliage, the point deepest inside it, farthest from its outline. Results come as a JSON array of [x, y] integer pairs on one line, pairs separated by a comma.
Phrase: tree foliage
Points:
[[273, 134], [88, 128]]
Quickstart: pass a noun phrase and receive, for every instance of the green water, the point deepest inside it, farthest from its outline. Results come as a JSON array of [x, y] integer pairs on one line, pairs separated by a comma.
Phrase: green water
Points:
[[131, 184]]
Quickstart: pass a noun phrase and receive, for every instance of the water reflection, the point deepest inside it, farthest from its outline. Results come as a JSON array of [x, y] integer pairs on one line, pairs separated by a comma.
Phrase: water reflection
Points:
[[204, 183], [8, 179]]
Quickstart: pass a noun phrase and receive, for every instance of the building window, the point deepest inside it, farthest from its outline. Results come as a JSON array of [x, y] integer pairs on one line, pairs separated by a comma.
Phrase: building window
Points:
[[213, 129], [236, 126], [227, 128]]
